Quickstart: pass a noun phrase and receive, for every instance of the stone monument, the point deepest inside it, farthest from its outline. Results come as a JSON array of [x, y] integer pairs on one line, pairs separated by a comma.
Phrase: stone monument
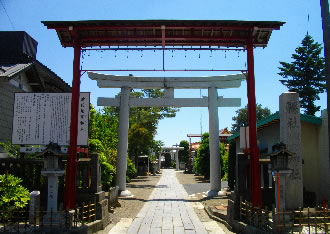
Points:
[[290, 134], [34, 208]]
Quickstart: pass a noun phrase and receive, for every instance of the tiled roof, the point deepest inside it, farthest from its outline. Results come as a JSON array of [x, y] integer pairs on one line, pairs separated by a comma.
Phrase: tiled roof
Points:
[[10, 70], [163, 32]]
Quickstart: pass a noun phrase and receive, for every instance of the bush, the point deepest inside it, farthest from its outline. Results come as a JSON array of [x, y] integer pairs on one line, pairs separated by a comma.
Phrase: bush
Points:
[[232, 165], [95, 145], [173, 164], [107, 175], [13, 196], [202, 160], [131, 170]]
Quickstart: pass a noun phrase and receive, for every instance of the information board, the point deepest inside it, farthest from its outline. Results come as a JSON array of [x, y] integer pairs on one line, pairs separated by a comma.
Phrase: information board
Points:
[[41, 118]]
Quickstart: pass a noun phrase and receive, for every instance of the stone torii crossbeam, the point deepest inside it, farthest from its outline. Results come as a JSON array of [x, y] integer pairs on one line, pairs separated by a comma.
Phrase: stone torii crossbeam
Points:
[[126, 83]]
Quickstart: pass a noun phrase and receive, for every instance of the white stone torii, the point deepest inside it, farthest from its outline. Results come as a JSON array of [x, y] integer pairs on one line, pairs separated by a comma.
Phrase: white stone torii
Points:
[[126, 83], [176, 150]]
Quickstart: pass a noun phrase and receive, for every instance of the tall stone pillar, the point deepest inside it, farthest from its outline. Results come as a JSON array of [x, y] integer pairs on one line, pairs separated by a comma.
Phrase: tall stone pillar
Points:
[[323, 162], [177, 163], [123, 142], [159, 160], [290, 134], [215, 179]]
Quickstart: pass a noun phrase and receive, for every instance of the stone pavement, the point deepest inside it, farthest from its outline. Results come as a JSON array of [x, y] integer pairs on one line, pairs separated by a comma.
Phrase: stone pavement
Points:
[[168, 210]]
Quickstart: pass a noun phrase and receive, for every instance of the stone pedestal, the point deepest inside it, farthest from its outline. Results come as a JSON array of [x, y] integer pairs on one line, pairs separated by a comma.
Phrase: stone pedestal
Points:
[[290, 134], [52, 215], [52, 172], [281, 178], [242, 164]]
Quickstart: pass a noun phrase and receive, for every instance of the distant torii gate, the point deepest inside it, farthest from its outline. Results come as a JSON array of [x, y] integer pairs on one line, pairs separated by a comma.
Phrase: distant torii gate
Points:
[[177, 149], [126, 83]]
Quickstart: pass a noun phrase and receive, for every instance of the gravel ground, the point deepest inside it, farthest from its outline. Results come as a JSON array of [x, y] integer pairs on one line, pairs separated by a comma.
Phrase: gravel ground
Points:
[[142, 186], [192, 184]]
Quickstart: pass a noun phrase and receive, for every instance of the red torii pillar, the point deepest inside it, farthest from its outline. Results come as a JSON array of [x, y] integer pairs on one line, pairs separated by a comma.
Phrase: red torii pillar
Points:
[[71, 167], [254, 151]]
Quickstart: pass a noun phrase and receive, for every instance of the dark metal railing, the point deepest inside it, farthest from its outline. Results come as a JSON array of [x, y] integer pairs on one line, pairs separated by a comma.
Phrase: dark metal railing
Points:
[[311, 220], [43, 221]]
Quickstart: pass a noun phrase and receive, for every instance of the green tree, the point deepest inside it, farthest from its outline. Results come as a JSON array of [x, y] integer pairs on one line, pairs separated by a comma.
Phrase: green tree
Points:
[[232, 164], [103, 125], [305, 74], [241, 118], [202, 160], [143, 123], [184, 154], [224, 161], [156, 146], [13, 196]]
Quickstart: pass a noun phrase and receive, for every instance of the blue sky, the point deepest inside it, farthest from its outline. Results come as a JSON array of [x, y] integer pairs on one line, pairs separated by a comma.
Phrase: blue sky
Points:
[[26, 16]]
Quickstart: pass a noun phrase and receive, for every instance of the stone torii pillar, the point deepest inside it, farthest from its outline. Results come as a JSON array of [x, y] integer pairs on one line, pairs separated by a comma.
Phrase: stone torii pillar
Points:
[[123, 142], [215, 168]]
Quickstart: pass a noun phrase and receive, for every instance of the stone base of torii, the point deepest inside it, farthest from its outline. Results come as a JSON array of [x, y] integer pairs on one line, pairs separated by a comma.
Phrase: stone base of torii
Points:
[[126, 83]]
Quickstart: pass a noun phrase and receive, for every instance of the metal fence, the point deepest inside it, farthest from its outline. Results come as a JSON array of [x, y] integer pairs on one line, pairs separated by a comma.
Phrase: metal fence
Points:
[[308, 220], [43, 221]]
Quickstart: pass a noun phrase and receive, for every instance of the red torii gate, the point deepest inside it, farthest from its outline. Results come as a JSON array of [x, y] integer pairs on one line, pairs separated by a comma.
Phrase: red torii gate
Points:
[[188, 34]]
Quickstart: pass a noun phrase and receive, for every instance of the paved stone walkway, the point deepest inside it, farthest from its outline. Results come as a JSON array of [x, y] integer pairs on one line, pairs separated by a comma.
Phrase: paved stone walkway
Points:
[[168, 210]]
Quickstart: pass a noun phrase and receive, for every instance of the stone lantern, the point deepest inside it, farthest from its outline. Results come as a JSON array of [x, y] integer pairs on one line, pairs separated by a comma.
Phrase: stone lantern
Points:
[[280, 157], [52, 172], [280, 171]]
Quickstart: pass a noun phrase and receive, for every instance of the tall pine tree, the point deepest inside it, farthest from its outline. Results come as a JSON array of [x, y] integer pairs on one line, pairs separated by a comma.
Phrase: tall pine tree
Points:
[[305, 74]]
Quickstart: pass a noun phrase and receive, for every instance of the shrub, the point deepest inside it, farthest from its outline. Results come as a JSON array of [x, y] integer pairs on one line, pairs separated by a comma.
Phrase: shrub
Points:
[[107, 175], [13, 196], [131, 170], [232, 165], [202, 160], [95, 145]]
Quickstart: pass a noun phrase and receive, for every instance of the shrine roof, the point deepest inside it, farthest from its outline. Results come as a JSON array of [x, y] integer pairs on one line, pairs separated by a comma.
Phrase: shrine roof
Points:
[[51, 81], [275, 118], [226, 33]]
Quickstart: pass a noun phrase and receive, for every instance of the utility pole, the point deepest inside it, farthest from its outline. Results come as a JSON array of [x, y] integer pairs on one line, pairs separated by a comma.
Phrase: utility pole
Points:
[[326, 40]]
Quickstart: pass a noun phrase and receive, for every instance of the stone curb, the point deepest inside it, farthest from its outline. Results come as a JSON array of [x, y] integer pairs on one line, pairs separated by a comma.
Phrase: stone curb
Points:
[[237, 227], [213, 216]]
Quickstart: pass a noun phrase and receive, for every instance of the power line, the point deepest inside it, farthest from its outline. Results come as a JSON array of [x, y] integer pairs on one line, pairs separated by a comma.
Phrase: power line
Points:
[[3, 6]]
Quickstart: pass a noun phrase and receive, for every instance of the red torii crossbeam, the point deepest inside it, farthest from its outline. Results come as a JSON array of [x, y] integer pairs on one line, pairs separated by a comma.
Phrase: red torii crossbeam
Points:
[[163, 33]]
